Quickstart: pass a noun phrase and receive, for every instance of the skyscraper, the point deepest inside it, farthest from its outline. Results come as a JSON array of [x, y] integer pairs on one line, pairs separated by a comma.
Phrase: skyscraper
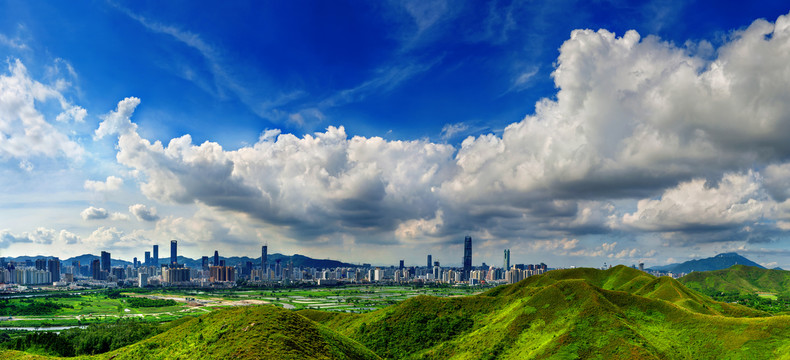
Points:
[[264, 259], [467, 258], [147, 258], [105, 261], [506, 263], [96, 269], [430, 263], [204, 263], [54, 269], [156, 256], [400, 267], [216, 258], [277, 269], [173, 252]]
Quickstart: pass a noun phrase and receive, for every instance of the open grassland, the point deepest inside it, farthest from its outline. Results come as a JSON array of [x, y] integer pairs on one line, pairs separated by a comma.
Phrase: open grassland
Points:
[[357, 298], [769, 296]]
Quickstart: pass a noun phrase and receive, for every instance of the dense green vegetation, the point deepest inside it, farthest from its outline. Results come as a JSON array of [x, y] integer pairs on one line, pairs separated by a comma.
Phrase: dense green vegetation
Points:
[[741, 279], [31, 307], [758, 288], [95, 339], [410, 329], [145, 302], [620, 313], [776, 304]]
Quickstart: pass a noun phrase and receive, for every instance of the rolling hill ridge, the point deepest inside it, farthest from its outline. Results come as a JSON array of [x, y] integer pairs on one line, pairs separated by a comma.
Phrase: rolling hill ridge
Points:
[[620, 313], [741, 279]]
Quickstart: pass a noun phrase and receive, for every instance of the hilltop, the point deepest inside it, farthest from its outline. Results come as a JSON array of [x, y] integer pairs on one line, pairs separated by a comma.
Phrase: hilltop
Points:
[[620, 313], [718, 262], [259, 332], [740, 279]]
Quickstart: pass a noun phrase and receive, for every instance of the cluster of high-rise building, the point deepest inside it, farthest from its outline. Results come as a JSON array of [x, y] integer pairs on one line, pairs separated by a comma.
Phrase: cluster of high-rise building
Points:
[[214, 271], [467, 273], [29, 272]]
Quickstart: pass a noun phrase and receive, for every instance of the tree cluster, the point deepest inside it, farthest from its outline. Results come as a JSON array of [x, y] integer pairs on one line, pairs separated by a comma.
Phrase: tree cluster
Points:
[[95, 339], [29, 307]]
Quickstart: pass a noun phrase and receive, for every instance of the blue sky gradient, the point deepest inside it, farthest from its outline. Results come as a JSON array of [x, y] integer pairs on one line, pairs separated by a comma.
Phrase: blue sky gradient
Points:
[[438, 82]]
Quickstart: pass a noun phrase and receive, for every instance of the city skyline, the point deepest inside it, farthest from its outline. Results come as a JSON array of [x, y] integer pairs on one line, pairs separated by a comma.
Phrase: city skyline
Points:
[[18, 273], [571, 134]]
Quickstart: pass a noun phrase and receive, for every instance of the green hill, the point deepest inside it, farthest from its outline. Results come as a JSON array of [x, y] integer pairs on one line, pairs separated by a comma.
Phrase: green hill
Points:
[[255, 332], [620, 313], [741, 279]]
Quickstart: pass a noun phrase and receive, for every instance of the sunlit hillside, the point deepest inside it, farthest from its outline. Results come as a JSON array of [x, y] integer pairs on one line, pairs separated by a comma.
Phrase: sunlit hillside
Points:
[[620, 313]]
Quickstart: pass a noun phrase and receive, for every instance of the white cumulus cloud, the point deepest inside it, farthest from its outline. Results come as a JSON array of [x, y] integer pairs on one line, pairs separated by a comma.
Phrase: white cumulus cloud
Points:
[[634, 118], [24, 130], [737, 199], [93, 213], [111, 184]]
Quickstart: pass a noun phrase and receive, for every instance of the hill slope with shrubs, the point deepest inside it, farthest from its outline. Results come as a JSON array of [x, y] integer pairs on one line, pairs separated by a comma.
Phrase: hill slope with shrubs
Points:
[[620, 313]]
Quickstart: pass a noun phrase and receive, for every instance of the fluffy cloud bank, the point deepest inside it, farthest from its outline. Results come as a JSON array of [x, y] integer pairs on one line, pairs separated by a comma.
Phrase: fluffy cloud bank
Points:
[[39, 236], [737, 199], [24, 131], [633, 119]]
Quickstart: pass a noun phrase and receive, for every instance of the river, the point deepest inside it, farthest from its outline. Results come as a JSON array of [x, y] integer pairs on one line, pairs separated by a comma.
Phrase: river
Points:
[[52, 328]]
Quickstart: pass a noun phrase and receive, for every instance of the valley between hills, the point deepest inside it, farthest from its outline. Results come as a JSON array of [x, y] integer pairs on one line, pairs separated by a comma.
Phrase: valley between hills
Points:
[[619, 313]]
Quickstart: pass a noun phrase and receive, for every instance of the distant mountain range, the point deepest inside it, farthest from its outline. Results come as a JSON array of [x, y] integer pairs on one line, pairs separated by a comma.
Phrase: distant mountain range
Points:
[[298, 260], [718, 262]]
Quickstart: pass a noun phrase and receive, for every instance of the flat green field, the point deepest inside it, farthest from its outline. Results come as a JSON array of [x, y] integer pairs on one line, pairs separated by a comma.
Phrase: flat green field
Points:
[[86, 308], [347, 299], [768, 296], [97, 307]]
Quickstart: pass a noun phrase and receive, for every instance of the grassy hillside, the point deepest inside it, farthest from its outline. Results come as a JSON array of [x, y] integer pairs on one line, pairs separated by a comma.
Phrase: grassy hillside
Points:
[[259, 332], [620, 313], [741, 279]]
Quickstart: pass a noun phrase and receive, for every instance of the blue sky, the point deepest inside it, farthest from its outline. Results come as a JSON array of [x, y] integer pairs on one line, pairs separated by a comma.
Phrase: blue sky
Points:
[[377, 131]]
